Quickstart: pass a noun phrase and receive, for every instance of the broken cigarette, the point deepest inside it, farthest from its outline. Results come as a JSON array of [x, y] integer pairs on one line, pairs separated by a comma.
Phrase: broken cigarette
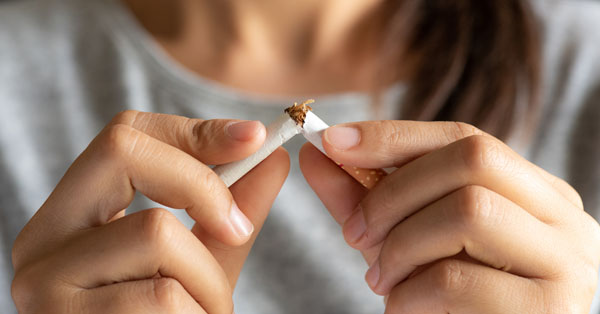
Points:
[[278, 132], [296, 119]]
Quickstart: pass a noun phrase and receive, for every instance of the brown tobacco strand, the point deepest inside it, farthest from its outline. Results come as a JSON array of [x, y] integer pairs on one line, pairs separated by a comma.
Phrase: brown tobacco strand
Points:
[[367, 177], [298, 112]]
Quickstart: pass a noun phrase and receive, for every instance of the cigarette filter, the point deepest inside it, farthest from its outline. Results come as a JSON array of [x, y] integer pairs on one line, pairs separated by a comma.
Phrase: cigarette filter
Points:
[[313, 131], [296, 119]]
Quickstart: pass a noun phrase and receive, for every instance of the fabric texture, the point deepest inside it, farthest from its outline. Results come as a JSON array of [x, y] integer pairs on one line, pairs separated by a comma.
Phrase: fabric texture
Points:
[[68, 66]]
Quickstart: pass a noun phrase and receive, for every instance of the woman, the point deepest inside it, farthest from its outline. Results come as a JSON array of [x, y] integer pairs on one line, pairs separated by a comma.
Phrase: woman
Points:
[[463, 224]]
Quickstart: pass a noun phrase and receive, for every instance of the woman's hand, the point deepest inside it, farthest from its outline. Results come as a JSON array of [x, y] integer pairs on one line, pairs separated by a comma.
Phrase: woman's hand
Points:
[[79, 253], [463, 225]]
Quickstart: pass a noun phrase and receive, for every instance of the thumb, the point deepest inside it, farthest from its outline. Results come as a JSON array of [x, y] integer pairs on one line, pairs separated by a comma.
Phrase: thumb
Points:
[[254, 195]]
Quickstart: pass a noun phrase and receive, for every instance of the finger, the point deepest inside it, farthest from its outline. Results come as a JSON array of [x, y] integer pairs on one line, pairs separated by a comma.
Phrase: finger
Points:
[[477, 160], [139, 246], [454, 286], [487, 226], [338, 191], [123, 160], [382, 144], [160, 295], [254, 194], [560, 185], [213, 142]]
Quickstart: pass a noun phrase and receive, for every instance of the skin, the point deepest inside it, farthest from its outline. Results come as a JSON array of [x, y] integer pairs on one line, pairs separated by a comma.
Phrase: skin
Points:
[[147, 262], [463, 225], [288, 48]]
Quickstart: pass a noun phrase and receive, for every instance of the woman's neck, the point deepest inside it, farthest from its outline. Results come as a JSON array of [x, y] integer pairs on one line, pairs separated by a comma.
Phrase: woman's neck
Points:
[[268, 46]]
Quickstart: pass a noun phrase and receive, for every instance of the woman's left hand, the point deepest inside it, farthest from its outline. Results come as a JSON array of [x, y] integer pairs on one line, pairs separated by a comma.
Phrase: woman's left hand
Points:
[[463, 225]]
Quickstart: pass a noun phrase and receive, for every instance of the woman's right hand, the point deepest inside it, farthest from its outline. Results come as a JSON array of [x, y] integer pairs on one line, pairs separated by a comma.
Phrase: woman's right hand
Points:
[[81, 254]]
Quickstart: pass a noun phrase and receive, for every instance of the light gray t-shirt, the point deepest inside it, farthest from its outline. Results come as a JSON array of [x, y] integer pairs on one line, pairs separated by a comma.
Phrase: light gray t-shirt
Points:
[[68, 66]]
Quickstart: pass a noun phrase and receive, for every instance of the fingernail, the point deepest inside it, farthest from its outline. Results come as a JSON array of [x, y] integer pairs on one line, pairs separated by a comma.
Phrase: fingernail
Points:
[[242, 226], [342, 138], [355, 227], [242, 131], [372, 276]]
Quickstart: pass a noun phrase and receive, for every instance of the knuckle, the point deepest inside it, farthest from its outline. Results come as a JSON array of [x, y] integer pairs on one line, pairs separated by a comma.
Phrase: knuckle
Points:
[[449, 279], [213, 187], [24, 288], [462, 130], [158, 227], [126, 117], [380, 208], [396, 301], [454, 131], [389, 133], [20, 291], [374, 210], [202, 132], [17, 251], [35, 290], [118, 140], [595, 238], [589, 279], [564, 187], [224, 293], [577, 198], [393, 250], [168, 294], [211, 181], [474, 206], [481, 154], [589, 229], [563, 300]]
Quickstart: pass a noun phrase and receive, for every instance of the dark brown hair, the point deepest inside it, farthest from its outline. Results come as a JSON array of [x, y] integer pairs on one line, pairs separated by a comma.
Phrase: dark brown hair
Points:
[[475, 61]]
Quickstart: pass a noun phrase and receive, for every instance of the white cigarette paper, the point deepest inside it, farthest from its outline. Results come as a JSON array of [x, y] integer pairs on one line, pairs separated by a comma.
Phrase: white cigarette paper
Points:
[[297, 119], [278, 132], [313, 130]]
